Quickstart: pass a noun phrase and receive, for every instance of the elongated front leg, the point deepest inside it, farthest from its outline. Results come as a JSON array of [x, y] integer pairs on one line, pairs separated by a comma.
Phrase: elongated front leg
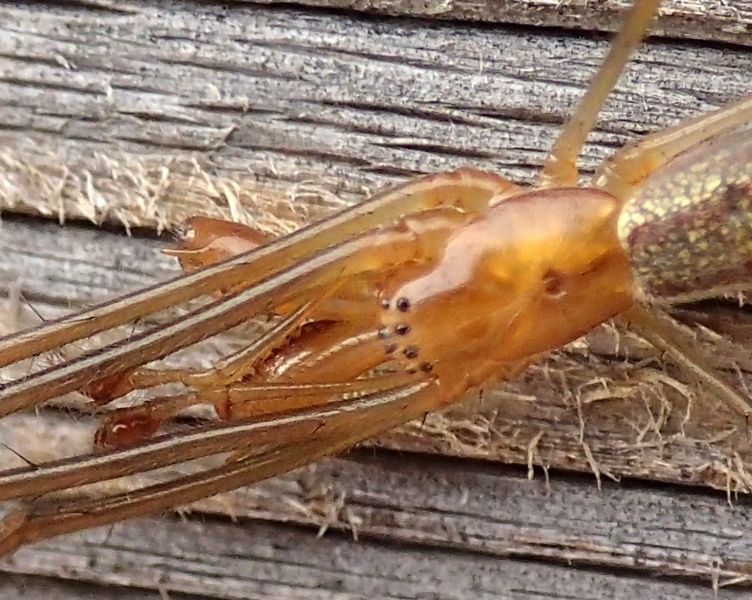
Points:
[[202, 242], [305, 372], [300, 439], [126, 426], [274, 274], [336, 345], [468, 189], [560, 168]]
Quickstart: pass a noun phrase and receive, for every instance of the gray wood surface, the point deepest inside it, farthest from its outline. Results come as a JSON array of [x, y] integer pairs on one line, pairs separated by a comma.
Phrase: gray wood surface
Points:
[[446, 532], [260, 561], [693, 19], [301, 106], [143, 114]]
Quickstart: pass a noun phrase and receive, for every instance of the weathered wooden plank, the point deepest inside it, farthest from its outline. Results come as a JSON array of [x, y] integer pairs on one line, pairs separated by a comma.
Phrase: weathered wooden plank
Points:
[[17, 587], [503, 518], [486, 509], [706, 20], [292, 107], [75, 266]]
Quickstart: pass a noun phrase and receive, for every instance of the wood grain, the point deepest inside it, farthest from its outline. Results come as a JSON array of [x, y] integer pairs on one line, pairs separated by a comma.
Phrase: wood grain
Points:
[[139, 115], [446, 532], [696, 19], [101, 112]]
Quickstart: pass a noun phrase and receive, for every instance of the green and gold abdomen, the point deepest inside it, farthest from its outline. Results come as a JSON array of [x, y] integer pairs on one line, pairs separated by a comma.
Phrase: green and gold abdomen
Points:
[[688, 231]]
